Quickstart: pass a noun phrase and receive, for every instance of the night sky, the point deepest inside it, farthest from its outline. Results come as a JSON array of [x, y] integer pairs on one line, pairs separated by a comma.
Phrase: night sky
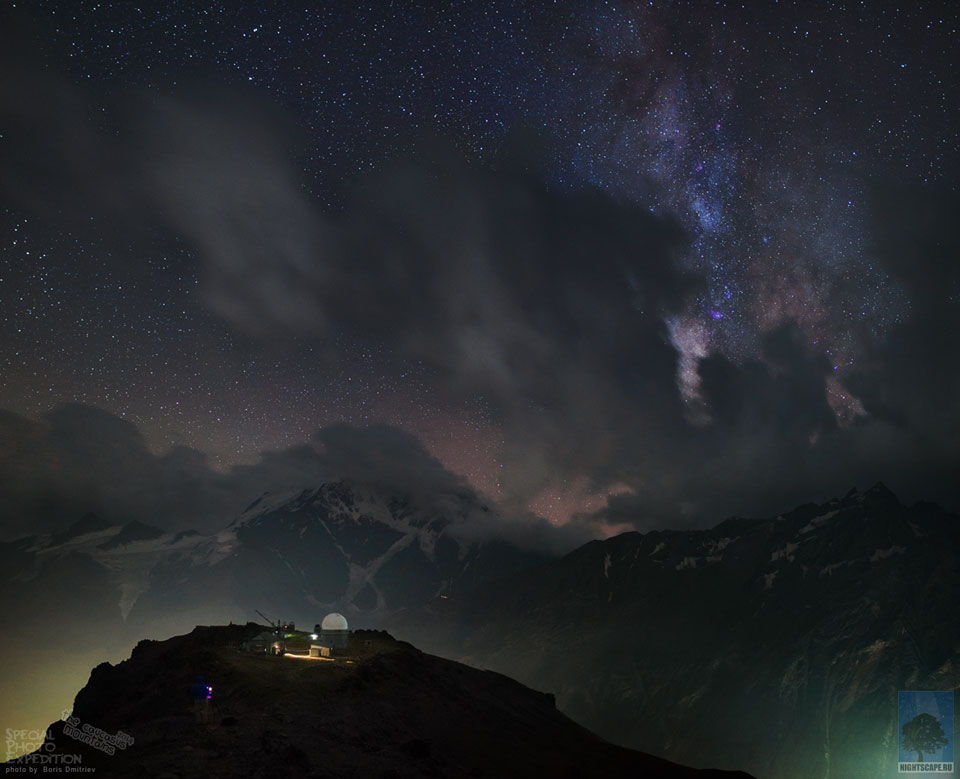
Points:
[[701, 258]]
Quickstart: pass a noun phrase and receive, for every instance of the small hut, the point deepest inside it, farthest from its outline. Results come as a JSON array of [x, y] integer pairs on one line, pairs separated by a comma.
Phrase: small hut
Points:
[[262, 642]]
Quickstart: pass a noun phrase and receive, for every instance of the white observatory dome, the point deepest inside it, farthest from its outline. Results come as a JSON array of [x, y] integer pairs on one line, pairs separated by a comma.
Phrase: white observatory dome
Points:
[[334, 621]]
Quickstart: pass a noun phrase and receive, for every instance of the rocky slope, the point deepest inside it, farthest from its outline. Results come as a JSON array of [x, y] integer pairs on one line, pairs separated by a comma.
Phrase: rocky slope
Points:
[[393, 712], [777, 645], [342, 547]]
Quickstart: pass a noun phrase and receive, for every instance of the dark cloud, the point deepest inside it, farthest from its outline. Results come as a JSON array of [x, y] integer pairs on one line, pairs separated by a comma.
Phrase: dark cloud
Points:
[[387, 456], [221, 175], [773, 440], [207, 166], [782, 395], [549, 304], [79, 458], [911, 377]]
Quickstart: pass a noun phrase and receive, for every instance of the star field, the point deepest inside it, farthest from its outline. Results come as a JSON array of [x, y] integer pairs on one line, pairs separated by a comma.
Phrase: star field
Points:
[[759, 129]]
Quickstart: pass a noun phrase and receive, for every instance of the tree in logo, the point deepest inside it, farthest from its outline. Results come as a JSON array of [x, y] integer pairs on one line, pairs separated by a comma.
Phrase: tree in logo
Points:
[[923, 733]]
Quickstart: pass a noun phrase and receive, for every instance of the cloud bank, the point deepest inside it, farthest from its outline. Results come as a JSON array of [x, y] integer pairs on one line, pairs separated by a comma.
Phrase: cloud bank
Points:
[[550, 304], [80, 458]]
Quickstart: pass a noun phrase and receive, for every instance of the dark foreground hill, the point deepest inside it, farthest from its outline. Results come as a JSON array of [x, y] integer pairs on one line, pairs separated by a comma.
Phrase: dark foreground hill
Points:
[[392, 711]]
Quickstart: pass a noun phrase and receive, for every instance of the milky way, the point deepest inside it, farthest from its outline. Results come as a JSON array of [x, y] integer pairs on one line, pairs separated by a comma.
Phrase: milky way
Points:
[[758, 130]]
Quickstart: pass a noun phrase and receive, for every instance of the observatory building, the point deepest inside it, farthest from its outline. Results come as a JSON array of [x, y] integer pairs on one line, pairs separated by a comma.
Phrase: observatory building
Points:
[[334, 631]]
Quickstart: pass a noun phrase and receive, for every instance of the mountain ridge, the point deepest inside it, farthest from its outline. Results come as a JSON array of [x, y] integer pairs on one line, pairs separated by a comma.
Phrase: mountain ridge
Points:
[[801, 627], [392, 710], [340, 546]]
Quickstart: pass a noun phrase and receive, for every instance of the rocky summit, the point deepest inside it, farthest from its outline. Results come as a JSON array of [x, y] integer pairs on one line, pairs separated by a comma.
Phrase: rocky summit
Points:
[[380, 709], [349, 547]]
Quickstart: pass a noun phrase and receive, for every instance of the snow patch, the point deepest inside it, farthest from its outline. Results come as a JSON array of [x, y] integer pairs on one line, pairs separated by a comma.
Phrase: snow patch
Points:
[[768, 580], [883, 554], [718, 546], [428, 542], [786, 552], [688, 700], [84, 543], [219, 548], [130, 591], [658, 548], [267, 503], [687, 562], [606, 566], [829, 569], [360, 577], [814, 523], [132, 564], [877, 646], [946, 669]]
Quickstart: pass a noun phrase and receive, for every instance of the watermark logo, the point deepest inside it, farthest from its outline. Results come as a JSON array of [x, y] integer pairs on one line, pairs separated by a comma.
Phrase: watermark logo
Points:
[[925, 719], [96, 737], [34, 751], [22, 741]]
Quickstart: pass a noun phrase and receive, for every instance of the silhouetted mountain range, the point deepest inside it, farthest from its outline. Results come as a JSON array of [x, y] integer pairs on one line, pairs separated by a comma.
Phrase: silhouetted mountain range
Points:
[[772, 645]]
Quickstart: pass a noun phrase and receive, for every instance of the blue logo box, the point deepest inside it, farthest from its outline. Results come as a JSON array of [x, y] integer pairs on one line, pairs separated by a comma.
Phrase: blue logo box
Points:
[[925, 731]]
